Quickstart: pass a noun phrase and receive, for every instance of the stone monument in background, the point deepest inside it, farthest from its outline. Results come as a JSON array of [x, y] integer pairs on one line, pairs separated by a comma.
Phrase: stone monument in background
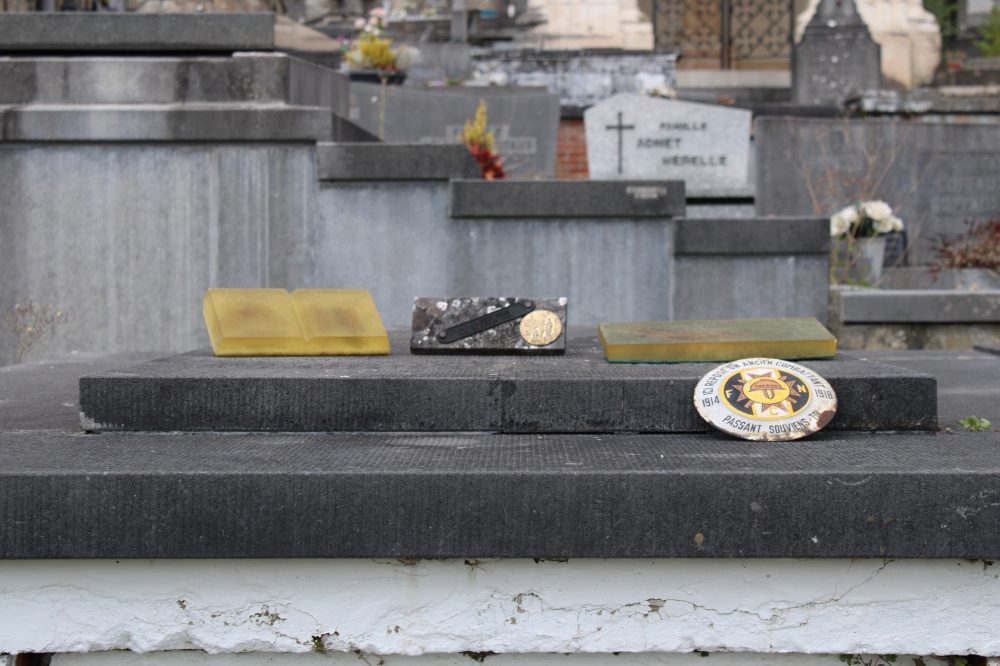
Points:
[[836, 57], [645, 138]]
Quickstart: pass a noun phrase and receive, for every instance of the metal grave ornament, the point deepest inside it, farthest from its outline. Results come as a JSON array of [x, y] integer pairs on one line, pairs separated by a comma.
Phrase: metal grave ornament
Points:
[[540, 328], [765, 399], [488, 326]]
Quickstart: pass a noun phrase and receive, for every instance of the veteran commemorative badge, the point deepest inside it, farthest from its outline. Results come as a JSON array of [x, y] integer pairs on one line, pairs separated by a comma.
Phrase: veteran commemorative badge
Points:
[[765, 399]]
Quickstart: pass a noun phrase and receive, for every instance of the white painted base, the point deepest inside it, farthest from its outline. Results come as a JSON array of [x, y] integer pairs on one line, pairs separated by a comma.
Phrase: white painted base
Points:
[[503, 606], [199, 658]]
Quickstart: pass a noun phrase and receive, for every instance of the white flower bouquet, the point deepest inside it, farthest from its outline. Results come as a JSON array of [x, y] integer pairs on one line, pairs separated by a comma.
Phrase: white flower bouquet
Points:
[[863, 219]]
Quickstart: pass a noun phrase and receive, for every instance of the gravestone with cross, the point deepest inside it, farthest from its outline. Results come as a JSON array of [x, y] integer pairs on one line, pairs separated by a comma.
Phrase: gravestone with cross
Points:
[[621, 128], [638, 137]]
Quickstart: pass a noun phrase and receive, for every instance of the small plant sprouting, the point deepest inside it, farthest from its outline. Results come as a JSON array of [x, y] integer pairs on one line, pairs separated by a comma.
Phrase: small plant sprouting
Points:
[[32, 323], [975, 424]]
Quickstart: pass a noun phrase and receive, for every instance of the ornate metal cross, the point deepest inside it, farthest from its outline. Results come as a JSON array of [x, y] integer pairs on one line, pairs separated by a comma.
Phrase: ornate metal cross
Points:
[[620, 129]]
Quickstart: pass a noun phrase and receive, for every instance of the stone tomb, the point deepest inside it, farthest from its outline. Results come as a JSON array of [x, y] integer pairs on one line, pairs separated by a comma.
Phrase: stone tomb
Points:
[[524, 121], [146, 158], [936, 176], [636, 137]]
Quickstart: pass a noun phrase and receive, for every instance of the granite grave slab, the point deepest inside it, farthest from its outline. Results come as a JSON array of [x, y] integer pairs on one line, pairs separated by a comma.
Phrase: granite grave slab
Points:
[[216, 495], [638, 137], [579, 392], [524, 121]]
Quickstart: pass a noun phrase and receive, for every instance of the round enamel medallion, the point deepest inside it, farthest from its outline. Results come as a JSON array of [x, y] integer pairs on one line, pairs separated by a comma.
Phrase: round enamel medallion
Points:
[[765, 399]]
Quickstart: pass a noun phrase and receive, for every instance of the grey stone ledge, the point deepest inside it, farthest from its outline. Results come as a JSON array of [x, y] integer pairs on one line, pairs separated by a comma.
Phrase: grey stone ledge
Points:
[[133, 32], [577, 393], [931, 306], [251, 77], [722, 194], [523, 199], [167, 122], [752, 236], [393, 161], [435, 496]]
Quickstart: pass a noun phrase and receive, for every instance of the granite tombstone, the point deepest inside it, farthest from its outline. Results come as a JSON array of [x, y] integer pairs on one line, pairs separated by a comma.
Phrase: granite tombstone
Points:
[[836, 58], [524, 121], [637, 137]]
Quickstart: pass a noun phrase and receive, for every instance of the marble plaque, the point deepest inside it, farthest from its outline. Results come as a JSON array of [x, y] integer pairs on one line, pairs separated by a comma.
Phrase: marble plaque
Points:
[[638, 137], [488, 326]]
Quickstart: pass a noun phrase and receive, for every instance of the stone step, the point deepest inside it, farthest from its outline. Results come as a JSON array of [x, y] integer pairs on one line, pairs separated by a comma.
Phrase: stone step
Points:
[[912, 306], [215, 495], [579, 392]]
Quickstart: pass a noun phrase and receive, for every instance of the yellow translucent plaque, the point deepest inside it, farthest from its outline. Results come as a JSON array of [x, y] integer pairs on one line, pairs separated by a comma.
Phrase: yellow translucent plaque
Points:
[[307, 322], [715, 340]]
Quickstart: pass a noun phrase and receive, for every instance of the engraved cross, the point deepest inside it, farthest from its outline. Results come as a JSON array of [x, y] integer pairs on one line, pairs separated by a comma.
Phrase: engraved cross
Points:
[[620, 129]]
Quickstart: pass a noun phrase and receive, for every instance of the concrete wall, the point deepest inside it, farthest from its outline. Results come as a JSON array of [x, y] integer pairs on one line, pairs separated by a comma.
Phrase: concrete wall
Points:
[[738, 287], [579, 78], [636, 607], [127, 238]]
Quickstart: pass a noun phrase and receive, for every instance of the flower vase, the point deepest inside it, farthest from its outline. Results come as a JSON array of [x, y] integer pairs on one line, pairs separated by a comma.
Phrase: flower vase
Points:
[[869, 264]]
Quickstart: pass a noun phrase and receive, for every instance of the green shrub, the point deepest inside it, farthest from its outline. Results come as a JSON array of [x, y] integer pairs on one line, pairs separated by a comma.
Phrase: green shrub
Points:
[[989, 45], [944, 11]]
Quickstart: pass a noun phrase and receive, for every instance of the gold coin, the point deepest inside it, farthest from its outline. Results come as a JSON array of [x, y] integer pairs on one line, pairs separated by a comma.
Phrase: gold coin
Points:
[[540, 328]]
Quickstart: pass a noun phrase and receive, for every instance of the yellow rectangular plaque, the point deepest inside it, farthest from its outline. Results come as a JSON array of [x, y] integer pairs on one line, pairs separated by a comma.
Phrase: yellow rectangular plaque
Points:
[[715, 340], [307, 322]]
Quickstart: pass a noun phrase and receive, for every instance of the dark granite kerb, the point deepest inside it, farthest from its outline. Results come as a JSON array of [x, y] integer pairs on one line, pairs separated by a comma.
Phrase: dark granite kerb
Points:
[[576, 199], [434, 496], [577, 393]]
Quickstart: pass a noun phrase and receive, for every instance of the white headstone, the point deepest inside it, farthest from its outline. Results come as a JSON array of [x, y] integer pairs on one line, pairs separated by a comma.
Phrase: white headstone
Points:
[[636, 137]]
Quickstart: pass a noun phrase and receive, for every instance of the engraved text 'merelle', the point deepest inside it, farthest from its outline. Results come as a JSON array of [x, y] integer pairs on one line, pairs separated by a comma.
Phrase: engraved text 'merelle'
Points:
[[695, 160]]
